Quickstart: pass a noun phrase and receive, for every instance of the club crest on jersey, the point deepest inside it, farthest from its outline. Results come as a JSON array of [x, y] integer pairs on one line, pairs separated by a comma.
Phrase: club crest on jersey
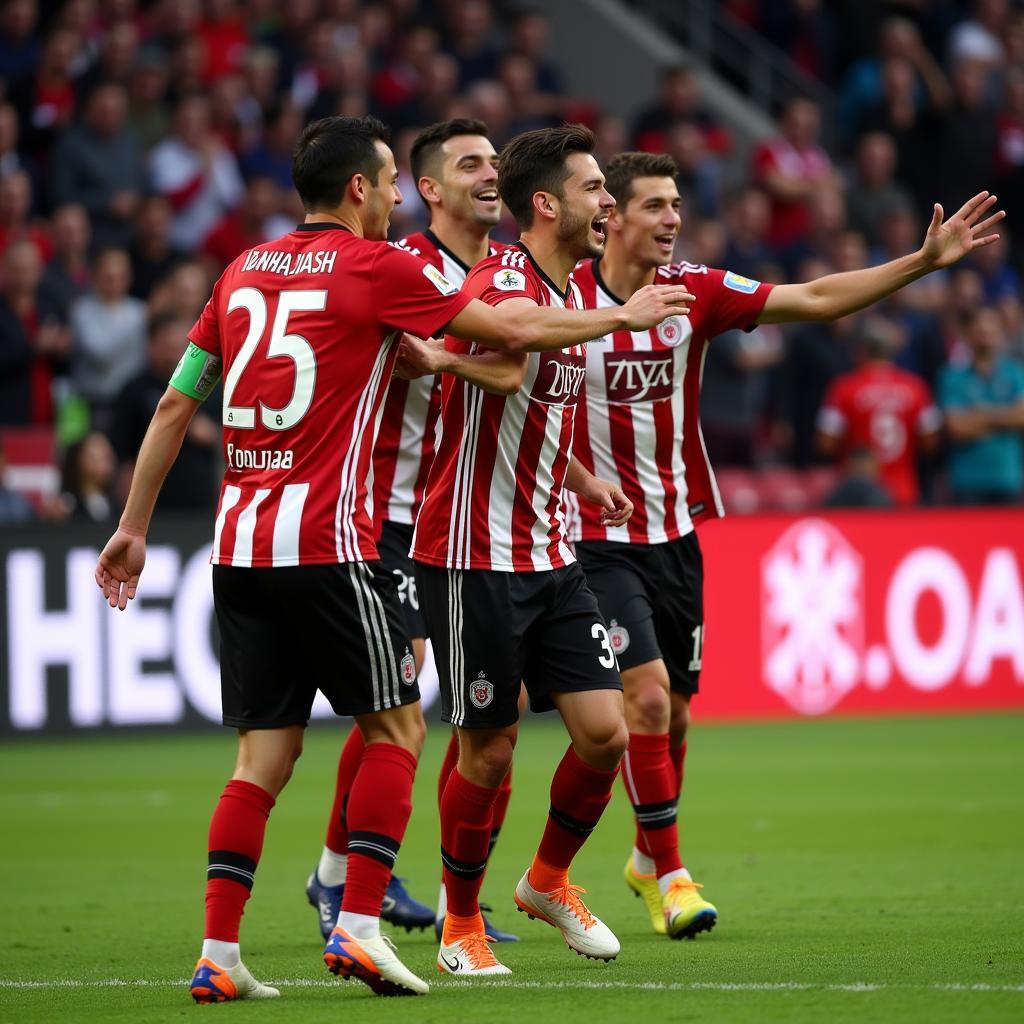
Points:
[[438, 280], [408, 668], [739, 283], [619, 637], [481, 691], [509, 280], [670, 331]]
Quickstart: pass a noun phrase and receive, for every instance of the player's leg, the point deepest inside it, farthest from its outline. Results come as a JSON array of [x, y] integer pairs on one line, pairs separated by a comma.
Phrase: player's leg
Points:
[[479, 674], [571, 666], [325, 886], [627, 581], [680, 627]]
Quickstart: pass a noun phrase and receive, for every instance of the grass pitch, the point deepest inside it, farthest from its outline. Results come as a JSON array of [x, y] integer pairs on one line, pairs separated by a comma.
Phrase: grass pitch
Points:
[[863, 871]]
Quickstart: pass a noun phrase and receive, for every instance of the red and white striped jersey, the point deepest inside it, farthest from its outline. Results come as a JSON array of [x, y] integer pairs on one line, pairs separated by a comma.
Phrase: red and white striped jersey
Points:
[[305, 327], [493, 493], [408, 428], [640, 426]]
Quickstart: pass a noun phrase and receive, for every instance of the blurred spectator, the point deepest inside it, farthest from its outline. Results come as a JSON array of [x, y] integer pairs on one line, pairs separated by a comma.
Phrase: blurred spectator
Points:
[[16, 224], [699, 179], [882, 408], [15, 508], [185, 292], [119, 51], [34, 341], [864, 84], [224, 36], [531, 38], [87, 488], [678, 101], [872, 189], [196, 173], [152, 257], [612, 137], [46, 99], [252, 224], [262, 76], [187, 62], [68, 274], [748, 215], [192, 479], [969, 132], [148, 116], [437, 95], [823, 232], [859, 486], [109, 330], [272, 156], [804, 30], [983, 402], [979, 38], [792, 167], [469, 39], [98, 164], [11, 159], [530, 108], [488, 102], [19, 45], [399, 82]]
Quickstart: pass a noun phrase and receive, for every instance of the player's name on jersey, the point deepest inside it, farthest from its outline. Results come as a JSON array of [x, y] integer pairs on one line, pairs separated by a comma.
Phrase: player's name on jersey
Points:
[[276, 261], [259, 458]]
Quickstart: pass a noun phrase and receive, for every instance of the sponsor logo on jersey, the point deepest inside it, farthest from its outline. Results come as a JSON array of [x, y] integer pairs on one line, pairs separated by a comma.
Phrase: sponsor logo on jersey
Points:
[[510, 281], [408, 668], [259, 458], [638, 376], [739, 283], [671, 332], [439, 281], [560, 377], [619, 637], [481, 691]]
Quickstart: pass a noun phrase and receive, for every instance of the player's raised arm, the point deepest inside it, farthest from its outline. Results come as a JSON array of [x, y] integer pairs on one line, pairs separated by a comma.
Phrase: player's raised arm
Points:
[[122, 559], [525, 327], [837, 295], [499, 373]]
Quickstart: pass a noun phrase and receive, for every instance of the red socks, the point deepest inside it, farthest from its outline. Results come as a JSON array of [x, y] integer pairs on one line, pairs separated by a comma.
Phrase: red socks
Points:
[[235, 843], [678, 755], [451, 759], [500, 808], [466, 814], [348, 765], [650, 782], [378, 810], [579, 795]]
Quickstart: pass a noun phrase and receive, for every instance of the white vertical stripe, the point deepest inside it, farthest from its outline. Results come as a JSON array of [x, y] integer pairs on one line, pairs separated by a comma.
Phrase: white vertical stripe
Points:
[[455, 653], [715, 493], [545, 486], [372, 647], [246, 528], [389, 664], [627, 777], [678, 466], [459, 533], [288, 525], [503, 478], [228, 501]]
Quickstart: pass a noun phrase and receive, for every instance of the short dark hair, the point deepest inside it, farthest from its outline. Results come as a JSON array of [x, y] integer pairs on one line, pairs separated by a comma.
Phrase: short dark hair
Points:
[[624, 168], [428, 143], [535, 162], [329, 152]]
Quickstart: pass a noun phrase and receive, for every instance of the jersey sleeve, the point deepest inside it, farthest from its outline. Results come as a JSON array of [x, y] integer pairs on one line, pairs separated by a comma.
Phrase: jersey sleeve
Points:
[[412, 295], [492, 283], [730, 300], [205, 333]]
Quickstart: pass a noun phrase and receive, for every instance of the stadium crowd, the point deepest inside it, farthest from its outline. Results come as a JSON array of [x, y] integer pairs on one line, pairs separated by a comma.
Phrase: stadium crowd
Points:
[[145, 145]]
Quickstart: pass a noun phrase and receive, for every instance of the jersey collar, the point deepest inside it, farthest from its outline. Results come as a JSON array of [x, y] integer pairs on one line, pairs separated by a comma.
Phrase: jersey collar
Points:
[[544, 277], [322, 225], [596, 264], [444, 248]]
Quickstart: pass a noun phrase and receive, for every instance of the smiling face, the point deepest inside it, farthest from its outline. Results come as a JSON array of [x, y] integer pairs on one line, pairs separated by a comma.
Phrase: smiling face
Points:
[[583, 208], [647, 226], [467, 183]]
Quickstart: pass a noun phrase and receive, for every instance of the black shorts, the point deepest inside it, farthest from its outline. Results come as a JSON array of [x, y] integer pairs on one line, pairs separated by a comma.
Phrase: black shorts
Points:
[[652, 597], [286, 633], [393, 546], [491, 630]]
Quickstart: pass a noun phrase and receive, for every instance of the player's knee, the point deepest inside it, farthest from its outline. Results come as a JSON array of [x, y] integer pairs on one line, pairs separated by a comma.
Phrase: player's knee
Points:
[[485, 761], [605, 744], [647, 709]]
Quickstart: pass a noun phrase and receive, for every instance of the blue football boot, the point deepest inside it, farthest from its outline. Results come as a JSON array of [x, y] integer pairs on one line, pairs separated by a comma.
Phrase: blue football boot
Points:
[[401, 910], [327, 901]]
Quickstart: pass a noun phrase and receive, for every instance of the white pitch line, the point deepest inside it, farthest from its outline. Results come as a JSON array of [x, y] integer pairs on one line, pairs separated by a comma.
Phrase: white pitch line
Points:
[[646, 986]]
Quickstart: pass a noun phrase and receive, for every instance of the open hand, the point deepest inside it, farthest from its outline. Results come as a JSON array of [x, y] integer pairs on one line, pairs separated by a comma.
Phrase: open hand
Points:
[[951, 240], [653, 303], [119, 567]]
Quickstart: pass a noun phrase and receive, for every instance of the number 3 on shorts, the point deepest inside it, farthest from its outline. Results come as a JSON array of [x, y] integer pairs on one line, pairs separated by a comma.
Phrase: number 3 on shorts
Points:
[[598, 632]]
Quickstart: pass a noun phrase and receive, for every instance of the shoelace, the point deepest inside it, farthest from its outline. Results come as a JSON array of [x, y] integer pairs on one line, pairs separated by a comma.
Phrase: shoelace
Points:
[[389, 943], [570, 896], [477, 948], [677, 885]]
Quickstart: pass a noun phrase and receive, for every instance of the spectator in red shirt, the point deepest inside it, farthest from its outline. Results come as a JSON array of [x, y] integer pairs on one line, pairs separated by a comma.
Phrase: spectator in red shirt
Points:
[[883, 408], [791, 168], [47, 100], [225, 37]]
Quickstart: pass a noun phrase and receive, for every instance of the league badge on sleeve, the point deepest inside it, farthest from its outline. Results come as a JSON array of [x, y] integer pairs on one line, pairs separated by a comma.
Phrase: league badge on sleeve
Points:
[[510, 280], [739, 283], [439, 281]]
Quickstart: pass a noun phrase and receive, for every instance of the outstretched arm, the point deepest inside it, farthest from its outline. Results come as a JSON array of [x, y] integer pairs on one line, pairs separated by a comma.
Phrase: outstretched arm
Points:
[[121, 561], [499, 373], [835, 296]]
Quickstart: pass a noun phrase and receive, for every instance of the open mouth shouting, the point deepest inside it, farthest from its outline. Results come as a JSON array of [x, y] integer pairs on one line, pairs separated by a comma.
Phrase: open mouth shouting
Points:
[[666, 242], [599, 227]]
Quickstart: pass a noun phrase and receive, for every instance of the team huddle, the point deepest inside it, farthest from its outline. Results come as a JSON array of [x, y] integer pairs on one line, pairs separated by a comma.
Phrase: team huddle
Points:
[[492, 446]]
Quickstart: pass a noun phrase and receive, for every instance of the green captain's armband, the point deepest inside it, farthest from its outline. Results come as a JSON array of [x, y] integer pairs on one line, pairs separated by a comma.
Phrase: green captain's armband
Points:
[[197, 373]]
